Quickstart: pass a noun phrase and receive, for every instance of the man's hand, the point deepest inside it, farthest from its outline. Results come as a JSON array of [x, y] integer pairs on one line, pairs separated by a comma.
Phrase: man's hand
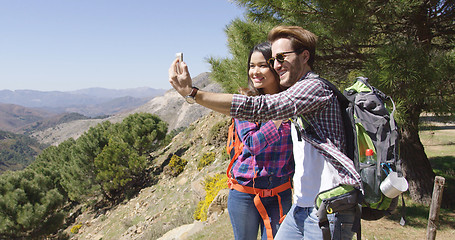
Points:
[[180, 80], [182, 83]]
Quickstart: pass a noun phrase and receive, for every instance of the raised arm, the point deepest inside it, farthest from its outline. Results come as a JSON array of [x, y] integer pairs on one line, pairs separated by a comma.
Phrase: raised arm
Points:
[[305, 96], [182, 83]]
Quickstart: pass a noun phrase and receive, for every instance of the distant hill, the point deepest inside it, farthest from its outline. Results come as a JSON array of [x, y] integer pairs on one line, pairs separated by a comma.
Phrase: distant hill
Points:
[[51, 122], [13, 117], [23, 120], [90, 102], [111, 107], [17, 151], [143, 92], [173, 109]]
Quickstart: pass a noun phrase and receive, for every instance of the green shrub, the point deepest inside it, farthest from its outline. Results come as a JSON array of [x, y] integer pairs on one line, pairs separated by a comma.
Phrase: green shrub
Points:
[[75, 228], [205, 160], [117, 166], [144, 132], [218, 133], [29, 202], [189, 130], [177, 165], [212, 186]]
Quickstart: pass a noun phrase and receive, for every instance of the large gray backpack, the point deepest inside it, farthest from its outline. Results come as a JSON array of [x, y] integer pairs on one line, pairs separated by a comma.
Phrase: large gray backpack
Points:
[[373, 127], [369, 124]]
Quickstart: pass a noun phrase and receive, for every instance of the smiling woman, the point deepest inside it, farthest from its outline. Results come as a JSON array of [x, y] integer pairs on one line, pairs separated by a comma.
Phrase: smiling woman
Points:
[[264, 164], [262, 78]]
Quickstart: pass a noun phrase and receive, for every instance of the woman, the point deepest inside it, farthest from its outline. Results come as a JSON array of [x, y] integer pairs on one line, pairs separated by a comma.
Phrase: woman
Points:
[[265, 163]]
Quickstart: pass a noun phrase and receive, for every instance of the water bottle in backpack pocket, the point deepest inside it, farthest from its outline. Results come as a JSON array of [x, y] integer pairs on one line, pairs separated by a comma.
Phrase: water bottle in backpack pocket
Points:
[[368, 174]]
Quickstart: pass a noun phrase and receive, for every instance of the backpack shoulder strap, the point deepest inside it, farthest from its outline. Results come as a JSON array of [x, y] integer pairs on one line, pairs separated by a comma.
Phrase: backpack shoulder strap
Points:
[[348, 123], [234, 146], [341, 98]]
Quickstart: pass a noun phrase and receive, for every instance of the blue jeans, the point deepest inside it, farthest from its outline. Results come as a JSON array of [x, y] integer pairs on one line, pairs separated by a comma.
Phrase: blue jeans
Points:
[[302, 223], [245, 218]]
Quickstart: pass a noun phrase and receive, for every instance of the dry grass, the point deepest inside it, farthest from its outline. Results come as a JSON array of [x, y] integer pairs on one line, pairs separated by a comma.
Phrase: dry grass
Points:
[[438, 141], [221, 229], [385, 229]]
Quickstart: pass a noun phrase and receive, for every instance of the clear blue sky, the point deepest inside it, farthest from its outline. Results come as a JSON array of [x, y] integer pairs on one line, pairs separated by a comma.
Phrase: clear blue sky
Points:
[[74, 44]]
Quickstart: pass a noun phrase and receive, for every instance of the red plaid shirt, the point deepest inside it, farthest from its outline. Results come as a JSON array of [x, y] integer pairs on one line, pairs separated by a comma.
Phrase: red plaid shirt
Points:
[[313, 100], [267, 151]]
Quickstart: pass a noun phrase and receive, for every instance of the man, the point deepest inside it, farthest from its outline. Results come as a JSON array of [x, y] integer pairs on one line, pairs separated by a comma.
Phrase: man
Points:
[[317, 132]]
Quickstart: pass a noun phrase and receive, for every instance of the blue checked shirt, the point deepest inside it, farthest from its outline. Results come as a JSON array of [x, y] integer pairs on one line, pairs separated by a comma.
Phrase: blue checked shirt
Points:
[[267, 151], [314, 101]]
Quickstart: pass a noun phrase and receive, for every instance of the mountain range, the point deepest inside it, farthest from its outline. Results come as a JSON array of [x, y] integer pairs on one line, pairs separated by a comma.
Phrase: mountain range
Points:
[[90, 102]]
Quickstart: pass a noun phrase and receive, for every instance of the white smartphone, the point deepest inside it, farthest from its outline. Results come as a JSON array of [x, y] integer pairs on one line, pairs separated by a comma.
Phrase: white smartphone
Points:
[[180, 57]]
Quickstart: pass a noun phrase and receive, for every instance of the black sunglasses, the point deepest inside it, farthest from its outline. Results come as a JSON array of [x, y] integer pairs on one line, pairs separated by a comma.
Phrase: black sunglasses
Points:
[[280, 56]]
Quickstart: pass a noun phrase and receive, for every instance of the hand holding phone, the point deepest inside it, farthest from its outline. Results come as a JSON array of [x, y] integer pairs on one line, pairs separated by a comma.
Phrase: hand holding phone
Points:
[[179, 56]]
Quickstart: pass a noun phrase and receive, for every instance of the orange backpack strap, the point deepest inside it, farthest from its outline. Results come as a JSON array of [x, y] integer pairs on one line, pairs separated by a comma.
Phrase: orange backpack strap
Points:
[[260, 193], [230, 139], [265, 217], [234, 146]]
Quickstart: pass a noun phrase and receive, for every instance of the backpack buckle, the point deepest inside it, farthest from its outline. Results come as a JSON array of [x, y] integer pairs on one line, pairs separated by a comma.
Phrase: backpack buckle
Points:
[[266, 193]]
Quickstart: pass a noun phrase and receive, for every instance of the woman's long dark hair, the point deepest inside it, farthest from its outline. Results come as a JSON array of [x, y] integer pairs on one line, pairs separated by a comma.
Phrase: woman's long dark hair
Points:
[[266, 49]]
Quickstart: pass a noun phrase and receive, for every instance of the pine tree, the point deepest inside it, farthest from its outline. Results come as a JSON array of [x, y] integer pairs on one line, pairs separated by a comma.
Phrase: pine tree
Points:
[[117, 166], [79, 174], [29, 201], [122, 161], [142, 131], [404, 47]]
